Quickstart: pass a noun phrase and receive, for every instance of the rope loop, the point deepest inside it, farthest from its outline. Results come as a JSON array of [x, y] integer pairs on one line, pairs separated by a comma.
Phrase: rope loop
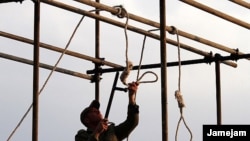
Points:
[[152, 81]]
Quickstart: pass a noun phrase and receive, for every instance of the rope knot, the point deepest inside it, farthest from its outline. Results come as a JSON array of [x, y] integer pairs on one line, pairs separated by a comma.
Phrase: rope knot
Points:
[[179, 98], [126, 72], [173, 30], [121, 12]]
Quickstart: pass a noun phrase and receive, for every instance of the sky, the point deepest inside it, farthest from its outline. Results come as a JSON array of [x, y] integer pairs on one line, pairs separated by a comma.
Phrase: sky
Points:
[[64, 96]]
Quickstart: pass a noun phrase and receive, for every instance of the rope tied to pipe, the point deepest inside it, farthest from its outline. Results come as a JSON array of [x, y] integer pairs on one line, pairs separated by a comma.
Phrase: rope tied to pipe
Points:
[[129, 65], [178, 95], [122, 12]]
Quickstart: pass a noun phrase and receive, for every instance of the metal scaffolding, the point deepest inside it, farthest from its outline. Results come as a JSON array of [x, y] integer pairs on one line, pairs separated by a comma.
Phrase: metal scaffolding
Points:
[[208, 57]]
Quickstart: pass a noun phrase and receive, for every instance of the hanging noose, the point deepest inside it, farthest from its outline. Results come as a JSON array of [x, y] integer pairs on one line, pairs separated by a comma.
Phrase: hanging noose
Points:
[[178, 95]]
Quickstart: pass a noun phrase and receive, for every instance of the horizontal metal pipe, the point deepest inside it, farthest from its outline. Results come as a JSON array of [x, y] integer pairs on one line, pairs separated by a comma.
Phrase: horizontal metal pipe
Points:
[[151, 66], [57, 49], [45, 66], [157, 25], [241, 3], [132, 28], [207, 60], [217, 13], [78, 55], [82, 56], [5, 1]]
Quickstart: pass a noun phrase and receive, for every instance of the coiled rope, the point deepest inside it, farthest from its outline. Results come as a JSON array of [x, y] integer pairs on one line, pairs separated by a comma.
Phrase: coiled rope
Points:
[[178, 95], [49, 76]]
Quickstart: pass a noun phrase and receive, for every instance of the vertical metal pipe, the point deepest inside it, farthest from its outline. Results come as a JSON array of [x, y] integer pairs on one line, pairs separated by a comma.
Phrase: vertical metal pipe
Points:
[[163, 70], [97, 55], [36, 70], [218, 89]]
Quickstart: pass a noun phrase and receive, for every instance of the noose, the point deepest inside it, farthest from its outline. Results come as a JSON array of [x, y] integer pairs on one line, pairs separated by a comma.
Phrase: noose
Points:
[[178, 95], [129, 65]]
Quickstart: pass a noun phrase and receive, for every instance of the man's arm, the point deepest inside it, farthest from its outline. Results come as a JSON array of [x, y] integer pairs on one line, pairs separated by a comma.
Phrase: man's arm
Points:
[[132, 120]]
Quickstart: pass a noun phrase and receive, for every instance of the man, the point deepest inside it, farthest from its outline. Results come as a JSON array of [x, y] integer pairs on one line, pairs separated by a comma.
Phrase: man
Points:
[[99, 129]]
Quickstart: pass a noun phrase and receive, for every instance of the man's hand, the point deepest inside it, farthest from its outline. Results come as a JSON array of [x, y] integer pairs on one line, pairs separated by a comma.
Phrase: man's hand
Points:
[[102, 126], [132, 87]]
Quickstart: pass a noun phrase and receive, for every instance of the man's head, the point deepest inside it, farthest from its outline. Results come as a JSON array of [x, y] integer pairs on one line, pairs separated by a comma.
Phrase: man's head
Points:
[[91, 114]]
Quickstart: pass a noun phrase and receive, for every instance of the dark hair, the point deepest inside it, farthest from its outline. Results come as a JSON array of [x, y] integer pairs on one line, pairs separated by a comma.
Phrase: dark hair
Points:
[[93, 104]]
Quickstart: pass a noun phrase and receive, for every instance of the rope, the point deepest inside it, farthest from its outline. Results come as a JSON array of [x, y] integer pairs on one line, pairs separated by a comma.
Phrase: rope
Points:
[[54, 68], [152, 81], [138, 79], [129, 65], [178, 95]]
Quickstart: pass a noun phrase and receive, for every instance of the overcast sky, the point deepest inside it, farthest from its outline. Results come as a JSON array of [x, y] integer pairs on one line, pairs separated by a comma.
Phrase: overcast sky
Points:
[[65, 96]]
